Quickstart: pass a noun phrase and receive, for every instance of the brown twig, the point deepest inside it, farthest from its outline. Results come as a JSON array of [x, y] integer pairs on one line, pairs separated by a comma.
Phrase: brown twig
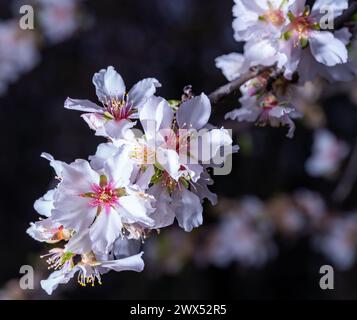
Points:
[[232, 87], [347, 15]]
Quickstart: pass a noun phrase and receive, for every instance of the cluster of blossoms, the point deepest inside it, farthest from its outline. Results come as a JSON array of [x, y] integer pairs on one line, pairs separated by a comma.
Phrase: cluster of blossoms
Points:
[[292, 44], [135, 183], [55, 21]]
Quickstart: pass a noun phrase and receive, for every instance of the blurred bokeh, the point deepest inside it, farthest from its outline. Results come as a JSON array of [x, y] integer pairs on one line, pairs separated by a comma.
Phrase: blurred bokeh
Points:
[[277, 221]]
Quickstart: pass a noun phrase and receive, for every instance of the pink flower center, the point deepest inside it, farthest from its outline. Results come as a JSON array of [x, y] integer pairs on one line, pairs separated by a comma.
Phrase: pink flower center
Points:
[[275, 17], [104, 195], [119, 109]]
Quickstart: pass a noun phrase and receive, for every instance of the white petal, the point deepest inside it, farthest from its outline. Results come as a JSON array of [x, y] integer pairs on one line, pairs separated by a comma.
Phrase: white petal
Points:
[[133, 263], [44, 205], [327, 49], [188, 209], [105, 230], [194, 113], [77, 178], [262, 53], [155, 114], [82, 105], [144, 178], [164, 214], [119, 167], [169, 160], [142, 91], [118, 129], [80, 243], [108, 84], [231, 65], [103, 153], [338, 6], [136, 210], [55, 164], [96, 122], [73, 212], [56, 278]]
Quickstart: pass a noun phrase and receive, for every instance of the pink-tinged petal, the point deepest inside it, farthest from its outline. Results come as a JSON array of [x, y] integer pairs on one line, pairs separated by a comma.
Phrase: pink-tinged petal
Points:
[[194, 113], [142, 91], [82, 105], [108, 84], [96, 122], [327, 49], [105, 230]]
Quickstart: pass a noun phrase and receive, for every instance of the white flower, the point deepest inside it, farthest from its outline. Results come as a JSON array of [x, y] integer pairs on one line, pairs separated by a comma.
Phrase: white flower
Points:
[[327, 155], [106, 201], [112, 119], [304, 33], [89, 269], [255, 19]]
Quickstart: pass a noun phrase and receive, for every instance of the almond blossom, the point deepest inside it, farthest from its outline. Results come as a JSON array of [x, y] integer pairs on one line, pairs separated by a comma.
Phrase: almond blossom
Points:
[[264, 107], [118, 107]]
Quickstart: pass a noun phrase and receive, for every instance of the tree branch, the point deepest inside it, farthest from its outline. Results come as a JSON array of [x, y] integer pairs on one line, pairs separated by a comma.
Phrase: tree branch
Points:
[[346, 16], [233, 86]]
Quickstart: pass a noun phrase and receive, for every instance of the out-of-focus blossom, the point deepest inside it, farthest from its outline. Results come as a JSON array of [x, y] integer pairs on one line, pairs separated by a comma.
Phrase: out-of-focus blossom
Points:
[[244, 235], [339, 242], [327, 155], [59, 20], [18, 52]]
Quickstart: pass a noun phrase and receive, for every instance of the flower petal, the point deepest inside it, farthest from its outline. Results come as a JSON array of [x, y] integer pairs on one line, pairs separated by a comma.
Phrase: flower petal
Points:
[[188, 210], [108, 84], [82, 105], [327, 49], [194, 113], [142, 91]]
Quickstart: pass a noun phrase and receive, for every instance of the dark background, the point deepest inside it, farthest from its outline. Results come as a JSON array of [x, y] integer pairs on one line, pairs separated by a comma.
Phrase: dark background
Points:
[[175, 41]]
